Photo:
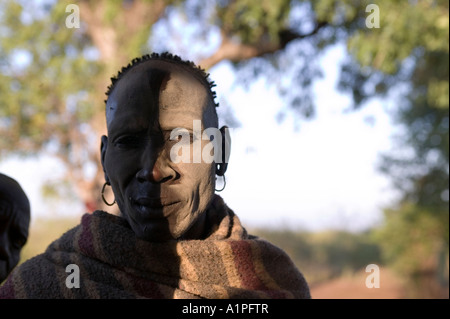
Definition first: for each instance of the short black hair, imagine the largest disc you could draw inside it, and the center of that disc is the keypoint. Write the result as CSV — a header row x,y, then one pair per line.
x,y
190,66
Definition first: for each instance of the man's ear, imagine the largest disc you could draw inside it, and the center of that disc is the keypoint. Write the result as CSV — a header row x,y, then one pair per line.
x,y
103,148
221,168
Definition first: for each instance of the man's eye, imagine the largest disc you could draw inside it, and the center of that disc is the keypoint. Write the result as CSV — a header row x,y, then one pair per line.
x,y
187,138
129,141
183,137
18,241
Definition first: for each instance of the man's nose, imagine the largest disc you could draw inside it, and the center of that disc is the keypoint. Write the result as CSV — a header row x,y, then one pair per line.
x,y
155,167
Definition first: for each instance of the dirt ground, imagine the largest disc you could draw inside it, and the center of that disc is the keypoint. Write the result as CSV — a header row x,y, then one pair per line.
x,y
354,287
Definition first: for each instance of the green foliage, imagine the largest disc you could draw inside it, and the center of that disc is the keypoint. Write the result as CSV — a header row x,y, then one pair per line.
x,y
325,255
254,21
414,241
35,92
410,50
413,237
409,32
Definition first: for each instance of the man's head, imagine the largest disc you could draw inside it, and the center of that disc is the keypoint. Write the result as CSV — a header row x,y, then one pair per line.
x,y
14,223
152,97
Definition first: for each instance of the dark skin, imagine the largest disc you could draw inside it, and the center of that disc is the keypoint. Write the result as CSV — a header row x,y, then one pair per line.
x,y
161,200
14,224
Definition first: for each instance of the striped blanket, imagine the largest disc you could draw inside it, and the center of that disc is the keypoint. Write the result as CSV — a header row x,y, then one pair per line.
x,y
112,263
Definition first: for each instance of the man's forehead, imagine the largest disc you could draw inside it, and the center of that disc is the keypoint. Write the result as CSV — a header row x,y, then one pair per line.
x,y
150,68
151,77
157,86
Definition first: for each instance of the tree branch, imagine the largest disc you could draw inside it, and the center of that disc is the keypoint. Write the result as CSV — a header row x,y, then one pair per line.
x,y
234,51
106,36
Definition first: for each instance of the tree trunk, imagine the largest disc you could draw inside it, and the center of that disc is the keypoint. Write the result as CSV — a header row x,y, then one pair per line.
x,y
108,38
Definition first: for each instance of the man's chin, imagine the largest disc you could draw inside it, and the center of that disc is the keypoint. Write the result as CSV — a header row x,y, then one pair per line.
x,y
156,231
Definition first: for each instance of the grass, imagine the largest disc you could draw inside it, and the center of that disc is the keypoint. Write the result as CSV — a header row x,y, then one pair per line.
x,y
43,232
324,255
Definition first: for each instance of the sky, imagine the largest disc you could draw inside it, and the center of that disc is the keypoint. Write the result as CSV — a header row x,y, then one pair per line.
x,y
321,176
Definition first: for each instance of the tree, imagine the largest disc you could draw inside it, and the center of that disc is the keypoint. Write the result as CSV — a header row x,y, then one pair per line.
x,y
52,102
53,78
415,236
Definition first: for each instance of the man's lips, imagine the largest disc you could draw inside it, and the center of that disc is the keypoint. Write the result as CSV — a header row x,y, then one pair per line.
x,y
151,209
152,203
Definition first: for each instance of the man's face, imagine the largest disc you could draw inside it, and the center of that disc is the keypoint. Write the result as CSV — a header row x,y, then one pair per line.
x,y
160,199
14,223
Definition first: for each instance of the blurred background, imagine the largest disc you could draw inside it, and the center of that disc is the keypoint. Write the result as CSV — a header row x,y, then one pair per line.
x,y
339,117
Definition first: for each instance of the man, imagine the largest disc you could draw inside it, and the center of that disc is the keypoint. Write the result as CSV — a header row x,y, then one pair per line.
x,y
175,238
161,200
14,223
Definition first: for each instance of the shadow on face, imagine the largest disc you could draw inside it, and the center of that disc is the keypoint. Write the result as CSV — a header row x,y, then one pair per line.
x,y
14,224
161,200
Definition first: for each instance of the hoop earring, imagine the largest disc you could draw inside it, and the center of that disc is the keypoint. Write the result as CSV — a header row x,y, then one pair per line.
x,y
103,196
224,184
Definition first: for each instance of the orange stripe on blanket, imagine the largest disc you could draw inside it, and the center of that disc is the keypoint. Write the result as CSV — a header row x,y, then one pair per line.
x,y
233,278
243,259
260,268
